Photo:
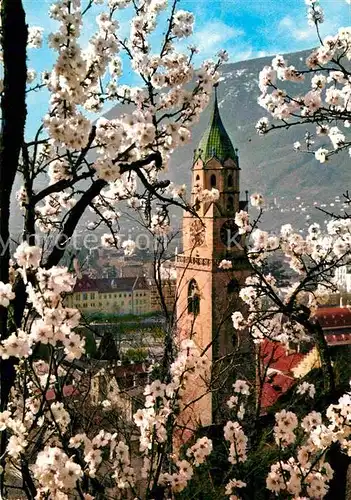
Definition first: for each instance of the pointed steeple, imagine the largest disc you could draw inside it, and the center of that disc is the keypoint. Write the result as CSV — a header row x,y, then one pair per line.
x,y
215,142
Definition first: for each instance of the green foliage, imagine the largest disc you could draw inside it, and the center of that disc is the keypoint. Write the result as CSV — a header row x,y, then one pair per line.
x,y
209,479
90,343
136,355
341,356
102,317
158,333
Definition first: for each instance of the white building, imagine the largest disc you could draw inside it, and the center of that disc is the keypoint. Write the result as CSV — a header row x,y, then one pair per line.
x,y
343,278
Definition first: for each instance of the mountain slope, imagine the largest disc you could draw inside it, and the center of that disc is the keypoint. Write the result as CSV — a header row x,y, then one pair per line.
x,y
269,164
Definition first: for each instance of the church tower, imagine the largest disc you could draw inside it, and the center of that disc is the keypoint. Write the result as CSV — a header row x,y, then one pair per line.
x,y
208,294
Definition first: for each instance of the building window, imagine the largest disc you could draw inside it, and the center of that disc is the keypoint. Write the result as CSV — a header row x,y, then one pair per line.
x,y
193,298
92,295
213,181
230,204
230,181
197,178
85,296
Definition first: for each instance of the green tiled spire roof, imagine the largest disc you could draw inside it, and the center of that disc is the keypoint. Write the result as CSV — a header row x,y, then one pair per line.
x,y
215,141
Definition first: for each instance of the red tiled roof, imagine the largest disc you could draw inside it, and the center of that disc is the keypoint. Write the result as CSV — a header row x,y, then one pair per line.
x,y
123,371
338,338
85,284
336,324
279,376
277,385
333,317
276,356
108,285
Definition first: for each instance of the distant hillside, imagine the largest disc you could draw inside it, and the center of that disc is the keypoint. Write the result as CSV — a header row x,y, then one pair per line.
x,y
268,164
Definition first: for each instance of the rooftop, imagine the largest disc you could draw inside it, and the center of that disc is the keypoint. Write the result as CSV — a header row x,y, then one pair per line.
x,y
279,377
215,141
107,285
333,317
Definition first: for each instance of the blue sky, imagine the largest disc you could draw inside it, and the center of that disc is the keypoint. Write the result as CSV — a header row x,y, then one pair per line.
x,y
254,28
246,28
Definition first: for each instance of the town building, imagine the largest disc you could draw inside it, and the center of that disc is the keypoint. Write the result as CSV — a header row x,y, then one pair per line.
x,y
164,289
111,295
208,293
283,368
164,298
343,278
131,269
122,386
113,263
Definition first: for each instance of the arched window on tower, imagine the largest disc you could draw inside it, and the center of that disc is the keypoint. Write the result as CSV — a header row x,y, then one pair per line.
x,y
197,178
230,181
213,181
230,204
193,298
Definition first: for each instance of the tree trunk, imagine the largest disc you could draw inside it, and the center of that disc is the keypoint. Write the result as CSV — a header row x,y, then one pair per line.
x,y
13,111
13,116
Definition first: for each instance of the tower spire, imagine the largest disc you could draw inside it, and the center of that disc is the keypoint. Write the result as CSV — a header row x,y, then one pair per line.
x,y
215,142
215,108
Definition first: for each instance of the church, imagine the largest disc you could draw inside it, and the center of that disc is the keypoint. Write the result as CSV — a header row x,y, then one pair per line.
x,y
207,293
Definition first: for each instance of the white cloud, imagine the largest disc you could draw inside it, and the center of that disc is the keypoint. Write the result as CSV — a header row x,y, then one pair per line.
x,y
298,29
288,26
214,35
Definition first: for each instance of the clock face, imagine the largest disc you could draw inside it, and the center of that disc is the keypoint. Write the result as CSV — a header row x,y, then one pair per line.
x,y
197,233
230,234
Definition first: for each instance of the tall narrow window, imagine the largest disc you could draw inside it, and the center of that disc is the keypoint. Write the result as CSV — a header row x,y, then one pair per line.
x,y
230,204
213,180
197,178
193,298
230,181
